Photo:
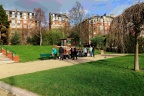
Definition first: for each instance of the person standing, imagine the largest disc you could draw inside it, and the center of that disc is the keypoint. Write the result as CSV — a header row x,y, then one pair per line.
x,y
61,52
72,52
75,53
85,51
54,52
91,53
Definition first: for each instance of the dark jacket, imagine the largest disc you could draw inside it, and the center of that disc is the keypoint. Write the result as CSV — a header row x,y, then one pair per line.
x,y
61,50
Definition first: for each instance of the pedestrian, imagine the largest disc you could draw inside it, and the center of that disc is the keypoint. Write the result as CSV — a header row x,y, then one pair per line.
x,y
61,52
54,51
93,51
75,53
85,51
72,52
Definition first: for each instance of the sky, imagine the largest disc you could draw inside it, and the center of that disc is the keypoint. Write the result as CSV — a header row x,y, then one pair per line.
x,y
95,7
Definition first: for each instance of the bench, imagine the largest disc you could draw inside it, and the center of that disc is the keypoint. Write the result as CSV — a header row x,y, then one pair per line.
x,y
45,56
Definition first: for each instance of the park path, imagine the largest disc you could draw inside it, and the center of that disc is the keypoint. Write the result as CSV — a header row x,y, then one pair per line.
x,y
11,69
5,60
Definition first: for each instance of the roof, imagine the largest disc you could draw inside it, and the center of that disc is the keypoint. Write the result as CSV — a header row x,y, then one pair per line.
x,y
19,11
60,14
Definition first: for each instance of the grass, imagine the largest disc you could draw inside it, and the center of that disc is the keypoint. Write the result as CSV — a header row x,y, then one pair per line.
x,y
29,53
109,77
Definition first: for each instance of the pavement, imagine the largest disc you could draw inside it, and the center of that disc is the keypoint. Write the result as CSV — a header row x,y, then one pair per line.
x,y
4,60
8,69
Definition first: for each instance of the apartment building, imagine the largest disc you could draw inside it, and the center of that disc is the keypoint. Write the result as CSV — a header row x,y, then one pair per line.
x,y
22,22
96,25
58,20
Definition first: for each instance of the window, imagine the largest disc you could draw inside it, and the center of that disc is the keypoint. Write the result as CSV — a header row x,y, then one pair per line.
x,y
24,13
30,14
18,16
13,16
13,12
53,19
59,18
30,17
13,21
13,25
91,21
18,22
25,21
24,17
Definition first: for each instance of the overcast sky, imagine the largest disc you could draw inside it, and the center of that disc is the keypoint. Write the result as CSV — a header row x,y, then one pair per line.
x,y
99,7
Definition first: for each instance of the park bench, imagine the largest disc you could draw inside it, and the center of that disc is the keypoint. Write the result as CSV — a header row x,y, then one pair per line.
x,y
45,56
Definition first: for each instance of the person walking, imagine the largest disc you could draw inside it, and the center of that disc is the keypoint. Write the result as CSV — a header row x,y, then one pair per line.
x,y
61,52
54,51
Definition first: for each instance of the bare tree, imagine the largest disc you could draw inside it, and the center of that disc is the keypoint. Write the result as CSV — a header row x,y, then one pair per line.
x,y
131,21
40,19
77,15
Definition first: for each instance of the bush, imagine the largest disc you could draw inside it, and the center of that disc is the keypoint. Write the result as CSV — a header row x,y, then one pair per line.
x,y
99,41
15,40
52,37
35,40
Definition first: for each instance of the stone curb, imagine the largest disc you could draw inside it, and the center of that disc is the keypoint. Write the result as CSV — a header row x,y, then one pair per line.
x,y
9,90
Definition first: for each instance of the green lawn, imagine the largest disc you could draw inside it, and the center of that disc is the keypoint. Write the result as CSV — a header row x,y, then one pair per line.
x,y
29,53
109,77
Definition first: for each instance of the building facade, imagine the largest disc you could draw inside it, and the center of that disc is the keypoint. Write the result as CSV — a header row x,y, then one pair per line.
x,y
58,20
22,22
96,25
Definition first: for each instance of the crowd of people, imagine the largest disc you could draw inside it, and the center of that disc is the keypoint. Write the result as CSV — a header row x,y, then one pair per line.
x,y
73,52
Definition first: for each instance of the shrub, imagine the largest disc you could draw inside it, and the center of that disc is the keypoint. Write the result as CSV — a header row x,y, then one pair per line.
x,y
52,37
15,40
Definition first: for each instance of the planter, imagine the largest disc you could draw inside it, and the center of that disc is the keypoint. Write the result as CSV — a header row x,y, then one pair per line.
x,y
3,52
9,55
16,58
102,51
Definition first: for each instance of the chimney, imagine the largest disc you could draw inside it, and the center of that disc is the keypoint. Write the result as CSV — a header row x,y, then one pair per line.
x,y
112,15
15,10
65,14
92,15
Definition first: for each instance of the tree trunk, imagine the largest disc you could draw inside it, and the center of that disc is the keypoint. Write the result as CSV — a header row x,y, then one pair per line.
x,y
40,36
0,38
136,59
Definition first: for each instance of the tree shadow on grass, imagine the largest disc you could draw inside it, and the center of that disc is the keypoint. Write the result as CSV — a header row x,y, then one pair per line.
x,y
78,61
109,64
